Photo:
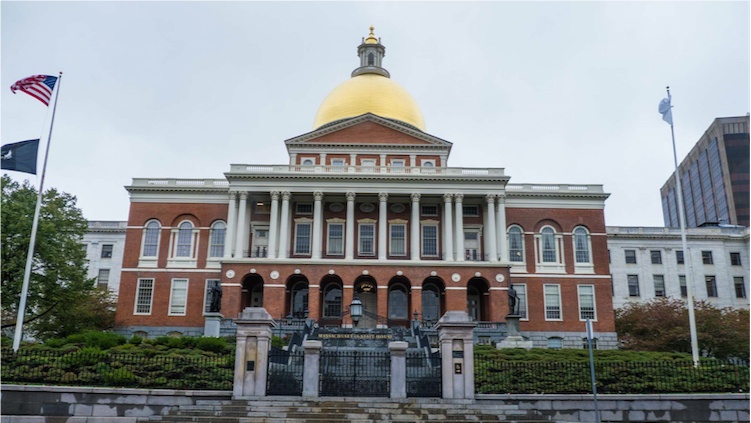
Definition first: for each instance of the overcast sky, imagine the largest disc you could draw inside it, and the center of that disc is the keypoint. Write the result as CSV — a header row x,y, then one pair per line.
x,y
554,92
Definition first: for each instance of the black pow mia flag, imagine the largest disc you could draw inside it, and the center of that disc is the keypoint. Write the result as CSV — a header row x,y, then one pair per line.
x,y
20,156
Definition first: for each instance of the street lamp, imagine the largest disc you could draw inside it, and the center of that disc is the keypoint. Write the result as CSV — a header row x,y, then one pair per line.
x,y
355,309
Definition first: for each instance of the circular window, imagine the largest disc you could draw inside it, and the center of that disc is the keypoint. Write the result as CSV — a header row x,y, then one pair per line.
x,y
398,208
367,207
336,207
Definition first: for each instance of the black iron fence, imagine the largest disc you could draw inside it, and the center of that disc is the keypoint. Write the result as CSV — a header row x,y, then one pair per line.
x,y
91,367
423,375
355,373
493,376
285,373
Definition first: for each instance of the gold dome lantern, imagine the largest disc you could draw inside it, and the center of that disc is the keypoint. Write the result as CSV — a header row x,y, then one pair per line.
x,y
370,90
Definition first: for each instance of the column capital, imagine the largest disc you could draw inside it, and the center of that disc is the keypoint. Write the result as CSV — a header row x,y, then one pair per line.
x,y
243,195
501,198
351,196
458,197
233,195
447,198
286,195
274,195
490,199
415,197
383,196
318,196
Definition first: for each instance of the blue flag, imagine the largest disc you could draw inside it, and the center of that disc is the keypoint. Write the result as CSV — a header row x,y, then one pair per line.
x,y
20,156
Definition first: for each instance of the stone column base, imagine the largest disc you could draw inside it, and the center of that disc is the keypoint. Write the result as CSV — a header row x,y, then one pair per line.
x,y
514,342
213,322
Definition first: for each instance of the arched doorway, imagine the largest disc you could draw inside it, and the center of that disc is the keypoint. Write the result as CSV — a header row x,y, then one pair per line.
x,y
433,300
399,301
477,298
297,297
331,301
366,290
252,291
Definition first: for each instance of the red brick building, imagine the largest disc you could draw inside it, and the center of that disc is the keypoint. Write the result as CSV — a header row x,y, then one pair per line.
x,y
367,205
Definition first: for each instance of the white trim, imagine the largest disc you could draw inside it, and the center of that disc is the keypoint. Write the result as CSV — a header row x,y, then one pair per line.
x,y
553,275
170,270
594,302
545,302
456,288
273,285
151,298
171,297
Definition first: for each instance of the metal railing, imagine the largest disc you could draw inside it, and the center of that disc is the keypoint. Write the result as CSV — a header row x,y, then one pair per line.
x,y
495,376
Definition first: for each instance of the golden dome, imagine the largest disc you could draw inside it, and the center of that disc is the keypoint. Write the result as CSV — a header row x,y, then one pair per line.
x,y
369,93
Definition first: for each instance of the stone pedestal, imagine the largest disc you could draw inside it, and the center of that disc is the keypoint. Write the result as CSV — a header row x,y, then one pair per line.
x,y
312,364
514,338
212,325
254,328
457,355
398,350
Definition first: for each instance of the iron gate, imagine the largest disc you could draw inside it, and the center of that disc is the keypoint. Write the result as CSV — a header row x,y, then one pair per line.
x,y
355,373
285,372
423,375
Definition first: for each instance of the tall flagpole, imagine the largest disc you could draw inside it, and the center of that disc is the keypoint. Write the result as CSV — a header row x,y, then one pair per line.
x,y
34,225
686,253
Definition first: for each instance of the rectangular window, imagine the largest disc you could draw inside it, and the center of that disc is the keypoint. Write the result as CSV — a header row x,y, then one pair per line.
x,y
735,259
430,240
178,298
659,281
337,165
740,287
471,210
210,283
106,250
471,236
586,302
706,257
682,284
144,294
552,302
398,240
656,256
304,208
521,293
216,246
711,286
630,256
335,243
585,343
367,239
429,210
633,286
302,238
679,257
368,165
102,280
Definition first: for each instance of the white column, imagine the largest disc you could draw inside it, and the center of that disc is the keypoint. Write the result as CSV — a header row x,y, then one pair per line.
x,y
274,225
317,224
284,226
349,246
459,235
490,232
292,159
414,225
229,238
383,163
448,229
323,159
501,227
241,224
382,224
412,160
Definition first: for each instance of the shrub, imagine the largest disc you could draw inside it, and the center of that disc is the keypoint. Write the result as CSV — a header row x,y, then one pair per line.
x,y
135,340
216,345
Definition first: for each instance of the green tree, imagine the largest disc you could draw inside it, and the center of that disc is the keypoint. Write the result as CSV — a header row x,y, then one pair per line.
x,y
61,299
662,325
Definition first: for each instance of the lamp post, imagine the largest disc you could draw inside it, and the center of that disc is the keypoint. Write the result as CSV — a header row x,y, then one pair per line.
x,y
355,310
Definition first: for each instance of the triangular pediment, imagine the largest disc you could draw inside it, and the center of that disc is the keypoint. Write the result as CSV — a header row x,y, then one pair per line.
x,y
368,130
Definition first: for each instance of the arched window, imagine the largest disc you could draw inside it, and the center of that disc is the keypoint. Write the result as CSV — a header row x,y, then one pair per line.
x,y
218,233
371,59
151,239
332,300
398,302
184,239
299,300
431,302
581,245
555,343
515,244
474,303
549,253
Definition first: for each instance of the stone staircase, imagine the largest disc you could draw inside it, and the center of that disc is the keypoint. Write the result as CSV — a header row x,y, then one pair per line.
x,y
340,410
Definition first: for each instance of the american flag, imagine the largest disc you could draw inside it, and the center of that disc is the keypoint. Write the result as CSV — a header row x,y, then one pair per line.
x,y
37,86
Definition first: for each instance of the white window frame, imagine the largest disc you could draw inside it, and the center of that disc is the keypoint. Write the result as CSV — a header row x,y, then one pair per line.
x,y
584,266
427,166
329,250
183,261
304,159
215,246
206,297
521,293
139,290
368,165
298,225
103,277
173,303
151,260
360,239
423,239
581,294
661,278
521,262
557,266
338,165
402,242
628,286
398,165
557,288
